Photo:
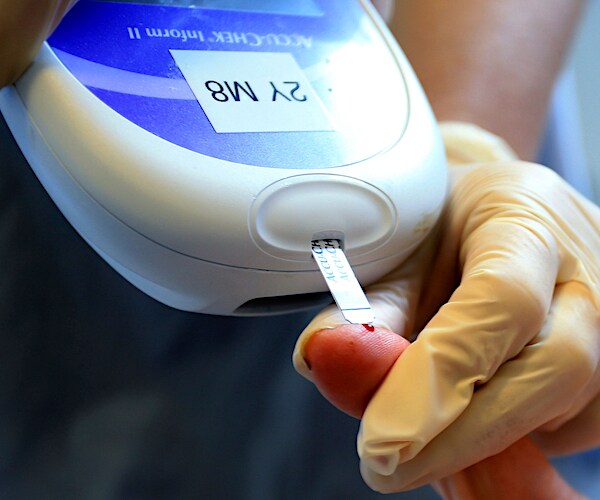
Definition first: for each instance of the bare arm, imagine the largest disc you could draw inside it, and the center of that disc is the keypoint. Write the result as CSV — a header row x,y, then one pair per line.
x,y
492,63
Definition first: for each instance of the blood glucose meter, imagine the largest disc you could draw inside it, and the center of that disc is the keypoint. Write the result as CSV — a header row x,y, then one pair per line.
x,y
200,146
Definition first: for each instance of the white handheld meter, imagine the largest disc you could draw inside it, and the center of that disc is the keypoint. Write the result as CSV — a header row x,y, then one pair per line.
x,y
199,146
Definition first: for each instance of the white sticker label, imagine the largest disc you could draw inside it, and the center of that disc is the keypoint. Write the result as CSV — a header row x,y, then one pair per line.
x,y
252,91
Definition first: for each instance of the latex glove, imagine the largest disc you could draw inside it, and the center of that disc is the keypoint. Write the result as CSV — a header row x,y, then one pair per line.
x,y
349,363
24,25
515,349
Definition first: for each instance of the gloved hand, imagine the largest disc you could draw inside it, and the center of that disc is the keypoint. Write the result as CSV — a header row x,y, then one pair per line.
x,y
24,25
514,348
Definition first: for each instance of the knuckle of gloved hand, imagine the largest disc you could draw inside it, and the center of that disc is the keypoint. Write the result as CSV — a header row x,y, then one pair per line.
x,y
521,182
517,203
407,477
572,362
381,484
532,175
377,483
579,431
514,301
577,359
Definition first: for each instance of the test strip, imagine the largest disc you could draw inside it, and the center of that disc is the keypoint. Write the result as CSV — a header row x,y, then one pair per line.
x,y
342,282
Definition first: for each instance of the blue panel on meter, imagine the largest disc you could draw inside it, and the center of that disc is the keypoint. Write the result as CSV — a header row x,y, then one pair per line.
x,y
296,7
268,83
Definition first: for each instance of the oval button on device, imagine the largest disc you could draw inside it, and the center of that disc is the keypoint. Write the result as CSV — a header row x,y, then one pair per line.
x,y
288,214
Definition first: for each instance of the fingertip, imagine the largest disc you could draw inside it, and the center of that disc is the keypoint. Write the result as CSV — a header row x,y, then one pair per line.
x,y
300,362
349,362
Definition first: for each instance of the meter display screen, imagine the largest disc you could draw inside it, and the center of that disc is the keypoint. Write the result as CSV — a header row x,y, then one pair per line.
x,y
296,7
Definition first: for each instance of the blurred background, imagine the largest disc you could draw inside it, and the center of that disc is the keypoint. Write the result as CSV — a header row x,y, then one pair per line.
x,y
572,146
586,60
